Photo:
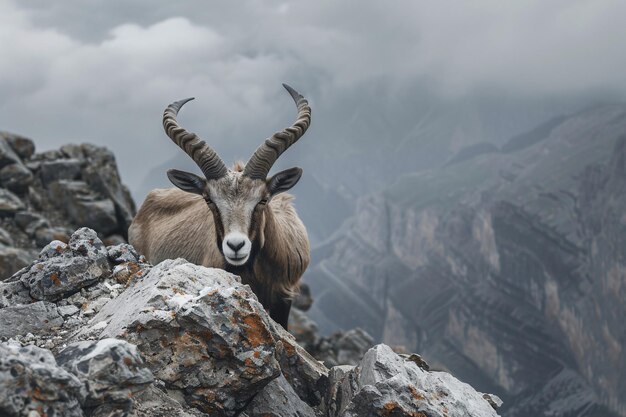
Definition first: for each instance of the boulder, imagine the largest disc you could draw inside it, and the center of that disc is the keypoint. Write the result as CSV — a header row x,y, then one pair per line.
x,y
36,318
83,206
63,270
9,203
59,169
278,399
102,176
32,384
29,222
5,238
112,373
201,331
22,146
307,376
43,235
13,293
7,154
13,259
384,383
16,177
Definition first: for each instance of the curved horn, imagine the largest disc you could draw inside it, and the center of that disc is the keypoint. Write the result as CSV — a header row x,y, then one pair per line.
x,y
202,154
264,157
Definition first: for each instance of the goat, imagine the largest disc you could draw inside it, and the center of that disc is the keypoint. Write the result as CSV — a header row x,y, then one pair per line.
x,y
236,220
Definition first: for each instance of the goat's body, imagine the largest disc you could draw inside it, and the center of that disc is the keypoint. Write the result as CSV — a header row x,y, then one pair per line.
x,y
175,224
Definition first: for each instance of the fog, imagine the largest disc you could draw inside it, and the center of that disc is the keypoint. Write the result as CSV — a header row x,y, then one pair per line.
x,y
103,71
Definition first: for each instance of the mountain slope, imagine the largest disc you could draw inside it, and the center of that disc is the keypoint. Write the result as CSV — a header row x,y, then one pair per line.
x,y
507,268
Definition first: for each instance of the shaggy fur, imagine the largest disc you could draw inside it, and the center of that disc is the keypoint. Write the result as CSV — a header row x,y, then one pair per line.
x,y
175,224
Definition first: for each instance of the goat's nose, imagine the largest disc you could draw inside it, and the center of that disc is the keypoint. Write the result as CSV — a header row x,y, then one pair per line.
x,y
235,245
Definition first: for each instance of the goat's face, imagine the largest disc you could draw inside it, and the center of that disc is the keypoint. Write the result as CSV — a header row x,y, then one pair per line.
x,y
238,198
238,204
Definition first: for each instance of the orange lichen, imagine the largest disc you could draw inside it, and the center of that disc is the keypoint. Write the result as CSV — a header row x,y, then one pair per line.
x,y
415,393
255,329
55,279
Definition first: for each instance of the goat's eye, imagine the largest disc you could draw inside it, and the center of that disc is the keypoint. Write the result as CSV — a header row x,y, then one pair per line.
x,y
262,202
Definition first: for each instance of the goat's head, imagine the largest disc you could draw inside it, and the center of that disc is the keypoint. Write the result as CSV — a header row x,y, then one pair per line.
x,y
237,198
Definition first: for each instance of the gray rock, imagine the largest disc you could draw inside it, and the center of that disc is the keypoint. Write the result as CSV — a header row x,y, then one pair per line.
x,y
22,146
303,329
13,259
29,222
352,345
307,376
44,235
13,293
32,384
50,155
278,399
111,370
102,176
201,332
53,249
36,318
122,253
155,402
5,238
7,154
386,384
343,348
16,177
59,169
9,203
84,206
68,310
493,400
59,276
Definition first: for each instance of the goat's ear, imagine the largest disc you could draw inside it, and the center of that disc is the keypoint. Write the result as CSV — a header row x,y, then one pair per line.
x,y
284,180
187,181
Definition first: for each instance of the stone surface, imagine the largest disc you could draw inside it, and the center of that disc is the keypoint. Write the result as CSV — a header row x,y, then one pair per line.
x,y
307,376
78,201
38,318
13,259
386,384
16,177
200,331
59,169
111,370
9,203
81,263
278,399
29,222
102,175
7,154
14,293
122,253
32,384
22,146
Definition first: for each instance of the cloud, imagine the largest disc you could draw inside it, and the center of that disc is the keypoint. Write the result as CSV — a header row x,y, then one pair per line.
x,y
85,71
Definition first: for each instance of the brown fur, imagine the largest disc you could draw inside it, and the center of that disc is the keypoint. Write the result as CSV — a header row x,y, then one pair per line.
x,y
175,224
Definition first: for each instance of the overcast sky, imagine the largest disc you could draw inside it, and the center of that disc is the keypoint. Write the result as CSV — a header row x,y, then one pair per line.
x,y
103,71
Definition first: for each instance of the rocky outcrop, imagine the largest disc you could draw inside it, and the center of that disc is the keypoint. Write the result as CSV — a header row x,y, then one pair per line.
x,y
44,196
506,269
117,336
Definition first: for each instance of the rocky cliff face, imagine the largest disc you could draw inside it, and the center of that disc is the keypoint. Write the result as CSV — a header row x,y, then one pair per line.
x,y
90,330
45,196
506,267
